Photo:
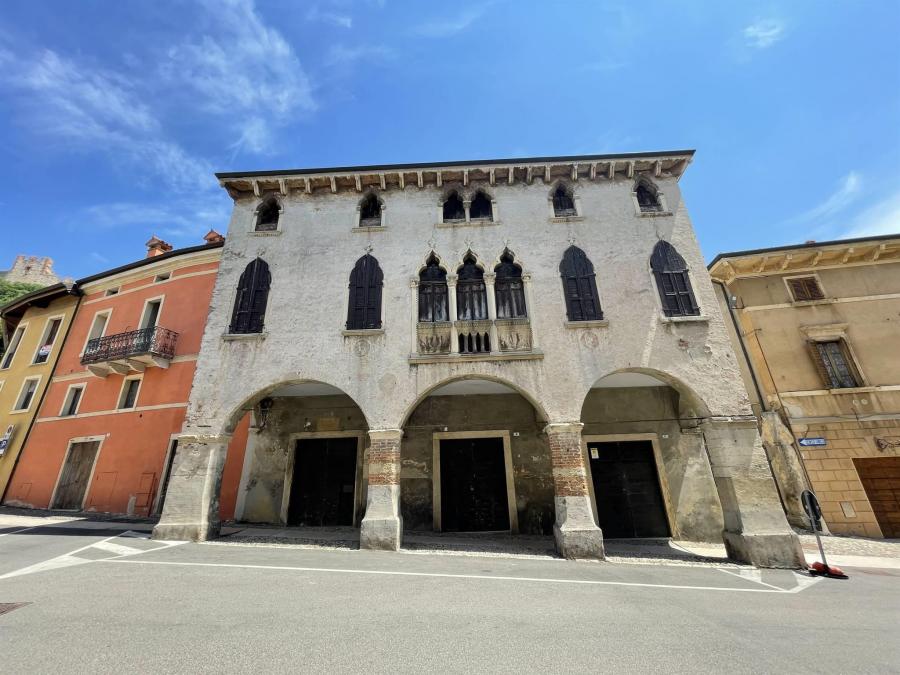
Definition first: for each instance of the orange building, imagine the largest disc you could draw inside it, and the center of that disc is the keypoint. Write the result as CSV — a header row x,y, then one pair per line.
x,y
106,433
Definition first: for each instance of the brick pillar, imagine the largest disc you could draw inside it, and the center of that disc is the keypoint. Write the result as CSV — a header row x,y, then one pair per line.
x,y
191,508
577,536
756,530
382,526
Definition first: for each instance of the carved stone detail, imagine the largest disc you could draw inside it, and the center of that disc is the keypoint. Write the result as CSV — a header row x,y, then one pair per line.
x,y
433,337
514,335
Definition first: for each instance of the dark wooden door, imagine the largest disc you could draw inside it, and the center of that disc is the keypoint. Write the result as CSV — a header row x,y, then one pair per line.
x,y
881,480
73,483
626,488
473,485
322,490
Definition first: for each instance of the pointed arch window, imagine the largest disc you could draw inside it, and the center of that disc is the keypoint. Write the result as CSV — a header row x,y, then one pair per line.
x,y
454,209
471,296
580,286
433,304
647,197
267,215
563,202
252,295
481,207
370,212
509,289
366,281
673,281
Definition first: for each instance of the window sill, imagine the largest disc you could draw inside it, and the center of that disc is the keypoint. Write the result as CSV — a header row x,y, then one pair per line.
x,y
566,219
370,228
468,358
684,319
244,337
653,214
471,223
596,323
812,303
265,233
18,412
361,332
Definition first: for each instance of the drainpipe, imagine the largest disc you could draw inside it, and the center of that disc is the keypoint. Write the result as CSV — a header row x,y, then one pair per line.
x,y
76,292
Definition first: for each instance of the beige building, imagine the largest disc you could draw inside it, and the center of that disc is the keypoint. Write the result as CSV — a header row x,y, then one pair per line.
x,y
818,331
527,346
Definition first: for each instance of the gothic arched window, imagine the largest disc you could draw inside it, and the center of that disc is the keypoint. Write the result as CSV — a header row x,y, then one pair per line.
x,y
673,281
366,280
453,208
252,295
481,207
267,215
370,212
433,305
647,197
563,203
579,286
508,288
471,297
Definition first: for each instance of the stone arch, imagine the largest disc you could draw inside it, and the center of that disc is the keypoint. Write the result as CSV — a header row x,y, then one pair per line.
x,y
562,199
271,209
690,403
527,395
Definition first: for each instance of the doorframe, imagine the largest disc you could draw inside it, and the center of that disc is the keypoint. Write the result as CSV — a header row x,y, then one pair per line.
x,y
504,434
660,472
87,489
164,474
289,467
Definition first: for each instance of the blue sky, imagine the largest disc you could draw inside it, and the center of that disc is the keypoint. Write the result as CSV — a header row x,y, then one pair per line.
x,y
116,114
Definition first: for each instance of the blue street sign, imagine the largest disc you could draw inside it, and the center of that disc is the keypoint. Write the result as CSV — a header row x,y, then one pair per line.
x,y
813,441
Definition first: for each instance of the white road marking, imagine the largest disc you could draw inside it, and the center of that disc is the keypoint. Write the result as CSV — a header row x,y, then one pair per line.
x,y
753,575
23,529
587,582
71,558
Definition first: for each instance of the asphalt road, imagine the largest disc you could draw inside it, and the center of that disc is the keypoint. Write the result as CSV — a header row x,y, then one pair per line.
x,y
101,601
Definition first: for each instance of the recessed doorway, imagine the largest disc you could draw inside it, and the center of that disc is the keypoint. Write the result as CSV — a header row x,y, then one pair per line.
x,y
75,477
473,484
627,490
323,488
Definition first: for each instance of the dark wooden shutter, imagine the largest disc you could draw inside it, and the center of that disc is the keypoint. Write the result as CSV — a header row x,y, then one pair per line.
x,y
805,288
251,298
579,286
673,281
366,280
820,365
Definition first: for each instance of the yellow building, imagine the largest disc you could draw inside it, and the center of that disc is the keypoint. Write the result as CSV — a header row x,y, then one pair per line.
x,y
35,326
818,329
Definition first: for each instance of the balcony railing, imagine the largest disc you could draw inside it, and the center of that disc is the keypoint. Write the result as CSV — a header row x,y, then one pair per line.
x,y
147,346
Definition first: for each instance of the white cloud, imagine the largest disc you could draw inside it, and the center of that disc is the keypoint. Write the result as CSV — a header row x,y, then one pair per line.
x,y
340,20
881,218
448,26
846,193
183,220
764,33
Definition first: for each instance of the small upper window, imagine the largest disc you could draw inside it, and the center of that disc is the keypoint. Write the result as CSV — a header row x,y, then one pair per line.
x,y
835,366
370,212
481,207
267,215
563,203
454,210
805,288
165,276
73,398
13,347
647,197
112,291
129,395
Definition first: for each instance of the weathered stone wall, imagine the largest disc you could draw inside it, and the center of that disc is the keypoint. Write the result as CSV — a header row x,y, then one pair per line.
x,y
692,492
29,269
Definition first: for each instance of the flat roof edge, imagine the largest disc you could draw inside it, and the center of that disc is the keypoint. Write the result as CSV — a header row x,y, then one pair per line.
x,y
791,247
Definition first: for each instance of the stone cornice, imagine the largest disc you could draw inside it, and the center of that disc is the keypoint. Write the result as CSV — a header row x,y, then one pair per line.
x,y
489,172
806,258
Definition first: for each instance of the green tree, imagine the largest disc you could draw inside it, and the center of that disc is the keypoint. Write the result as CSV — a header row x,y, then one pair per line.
x,y
10,290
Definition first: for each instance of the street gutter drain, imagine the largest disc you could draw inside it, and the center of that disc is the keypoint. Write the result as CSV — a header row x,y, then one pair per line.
x,y
7,607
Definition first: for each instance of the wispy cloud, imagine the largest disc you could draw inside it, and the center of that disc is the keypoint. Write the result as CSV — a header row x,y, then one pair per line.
x,y
451,25
881,218
181,219
340,20
764,33
342,55
848,189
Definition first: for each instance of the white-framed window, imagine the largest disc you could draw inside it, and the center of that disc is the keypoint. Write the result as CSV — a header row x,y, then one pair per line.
x,y
150,315
45,346
112,291
805,288
165,276
98,327
72,400
13,347
26,394
131,387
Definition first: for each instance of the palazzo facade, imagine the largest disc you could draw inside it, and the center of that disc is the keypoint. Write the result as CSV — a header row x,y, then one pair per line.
x,y
527,345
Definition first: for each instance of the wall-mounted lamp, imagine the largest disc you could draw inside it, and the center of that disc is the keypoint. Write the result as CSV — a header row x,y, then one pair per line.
x,y
264,407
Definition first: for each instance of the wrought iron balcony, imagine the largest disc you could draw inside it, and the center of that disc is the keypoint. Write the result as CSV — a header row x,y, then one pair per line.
x,y
130,352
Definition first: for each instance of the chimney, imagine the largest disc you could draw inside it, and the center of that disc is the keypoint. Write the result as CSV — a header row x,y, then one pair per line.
x,y
213,237
156,246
